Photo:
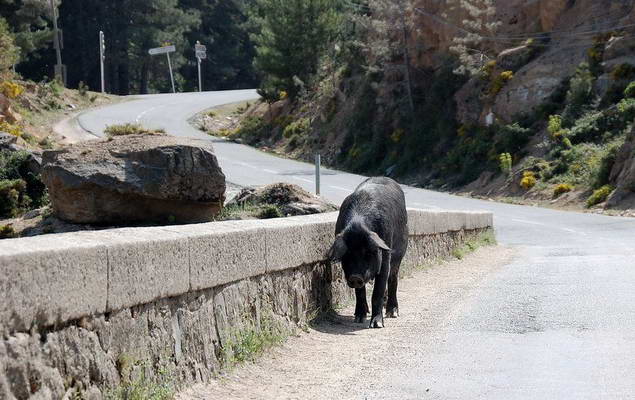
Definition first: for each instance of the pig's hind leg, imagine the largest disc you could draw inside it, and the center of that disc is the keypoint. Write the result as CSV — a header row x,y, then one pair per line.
x,y
392,305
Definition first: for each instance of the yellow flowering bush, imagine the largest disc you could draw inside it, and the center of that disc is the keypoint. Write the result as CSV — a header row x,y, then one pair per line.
x,y
528,181
11,89
562,188
15,130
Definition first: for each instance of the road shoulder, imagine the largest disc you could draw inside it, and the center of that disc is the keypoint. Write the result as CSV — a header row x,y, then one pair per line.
x,y
337,358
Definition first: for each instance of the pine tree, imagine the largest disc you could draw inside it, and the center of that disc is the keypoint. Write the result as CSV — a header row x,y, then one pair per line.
x,y
9,52
29,20
230,52
471,45
292,36
385,30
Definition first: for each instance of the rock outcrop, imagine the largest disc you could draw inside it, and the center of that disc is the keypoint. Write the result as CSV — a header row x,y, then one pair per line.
x,y
623,176
135,179
291,199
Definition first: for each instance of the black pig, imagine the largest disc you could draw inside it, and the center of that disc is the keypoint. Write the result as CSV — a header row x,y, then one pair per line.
x,y
371,240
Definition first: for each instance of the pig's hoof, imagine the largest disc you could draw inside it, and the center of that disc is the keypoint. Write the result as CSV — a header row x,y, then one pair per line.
x,y
394,313
360,319
376,322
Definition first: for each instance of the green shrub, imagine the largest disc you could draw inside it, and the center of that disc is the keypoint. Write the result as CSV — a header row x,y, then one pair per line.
x,y
562,188
253,128
13,197
607,162
629,92
7,232
9,52
131,129
623,71
299,127
554,125
506,163
269,211
599,196
15,166
580,93
512,138
82,88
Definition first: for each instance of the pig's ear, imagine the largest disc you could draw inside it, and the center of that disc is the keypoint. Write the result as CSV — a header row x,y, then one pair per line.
x,y
338,249
378,241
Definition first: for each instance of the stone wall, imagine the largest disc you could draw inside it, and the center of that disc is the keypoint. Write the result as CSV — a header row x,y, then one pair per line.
x,y
84,312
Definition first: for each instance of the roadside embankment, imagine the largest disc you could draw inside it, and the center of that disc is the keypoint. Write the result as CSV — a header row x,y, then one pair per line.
x,y
87,312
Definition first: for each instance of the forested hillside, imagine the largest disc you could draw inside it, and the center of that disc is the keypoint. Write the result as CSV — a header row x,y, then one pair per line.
x,y
497,98
131,27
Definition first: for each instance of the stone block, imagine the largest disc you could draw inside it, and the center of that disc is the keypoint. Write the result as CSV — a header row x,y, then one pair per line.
x,y
50,279
145,264
293,242
225,252
457,220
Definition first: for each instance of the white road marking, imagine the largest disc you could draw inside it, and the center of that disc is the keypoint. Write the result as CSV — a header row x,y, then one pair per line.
x,y
528,222
302,179
270,171
138,119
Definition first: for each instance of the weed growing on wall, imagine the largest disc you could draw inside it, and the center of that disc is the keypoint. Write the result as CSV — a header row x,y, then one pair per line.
x,y
487,238
249,341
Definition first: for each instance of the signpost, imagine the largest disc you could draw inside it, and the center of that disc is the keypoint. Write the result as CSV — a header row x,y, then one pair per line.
x,y
165,50
59,67
201,54
102,57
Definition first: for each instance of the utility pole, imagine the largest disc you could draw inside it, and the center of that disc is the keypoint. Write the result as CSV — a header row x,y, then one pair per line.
x,y
102,57
406,54
59,67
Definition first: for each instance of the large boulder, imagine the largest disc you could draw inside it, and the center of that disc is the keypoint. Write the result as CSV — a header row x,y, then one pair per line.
x,y
135,179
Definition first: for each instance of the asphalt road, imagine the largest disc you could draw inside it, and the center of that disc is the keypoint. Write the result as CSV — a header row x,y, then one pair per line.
x,y
557,322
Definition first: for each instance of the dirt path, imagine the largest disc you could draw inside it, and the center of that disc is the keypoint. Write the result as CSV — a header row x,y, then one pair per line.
x,y
339,359
68,131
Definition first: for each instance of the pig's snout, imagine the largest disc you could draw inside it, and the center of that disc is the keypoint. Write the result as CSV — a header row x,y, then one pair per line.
x,y
355,281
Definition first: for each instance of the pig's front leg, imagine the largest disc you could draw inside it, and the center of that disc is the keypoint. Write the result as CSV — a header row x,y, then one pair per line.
x,y
361,305
379,291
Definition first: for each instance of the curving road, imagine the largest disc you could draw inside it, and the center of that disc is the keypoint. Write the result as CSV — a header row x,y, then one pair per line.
x,y
556,322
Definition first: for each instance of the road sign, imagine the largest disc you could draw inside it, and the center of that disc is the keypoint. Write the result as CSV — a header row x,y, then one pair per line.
x,y
162,50
201,51
201,54
165,50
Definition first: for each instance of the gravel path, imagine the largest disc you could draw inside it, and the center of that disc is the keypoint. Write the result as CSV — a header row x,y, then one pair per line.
x,y
339,359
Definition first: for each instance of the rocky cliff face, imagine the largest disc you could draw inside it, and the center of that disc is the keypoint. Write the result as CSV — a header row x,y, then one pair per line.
x,y
623,176
572,27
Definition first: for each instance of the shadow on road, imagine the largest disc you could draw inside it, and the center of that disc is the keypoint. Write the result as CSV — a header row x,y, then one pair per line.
x,y
336,324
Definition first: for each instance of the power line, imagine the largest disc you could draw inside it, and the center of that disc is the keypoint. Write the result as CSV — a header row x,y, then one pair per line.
x,y
538,36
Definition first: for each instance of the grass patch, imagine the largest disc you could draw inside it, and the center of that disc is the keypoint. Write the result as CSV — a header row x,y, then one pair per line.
x,y
139,386
131,129
487,238
250,341
249,211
